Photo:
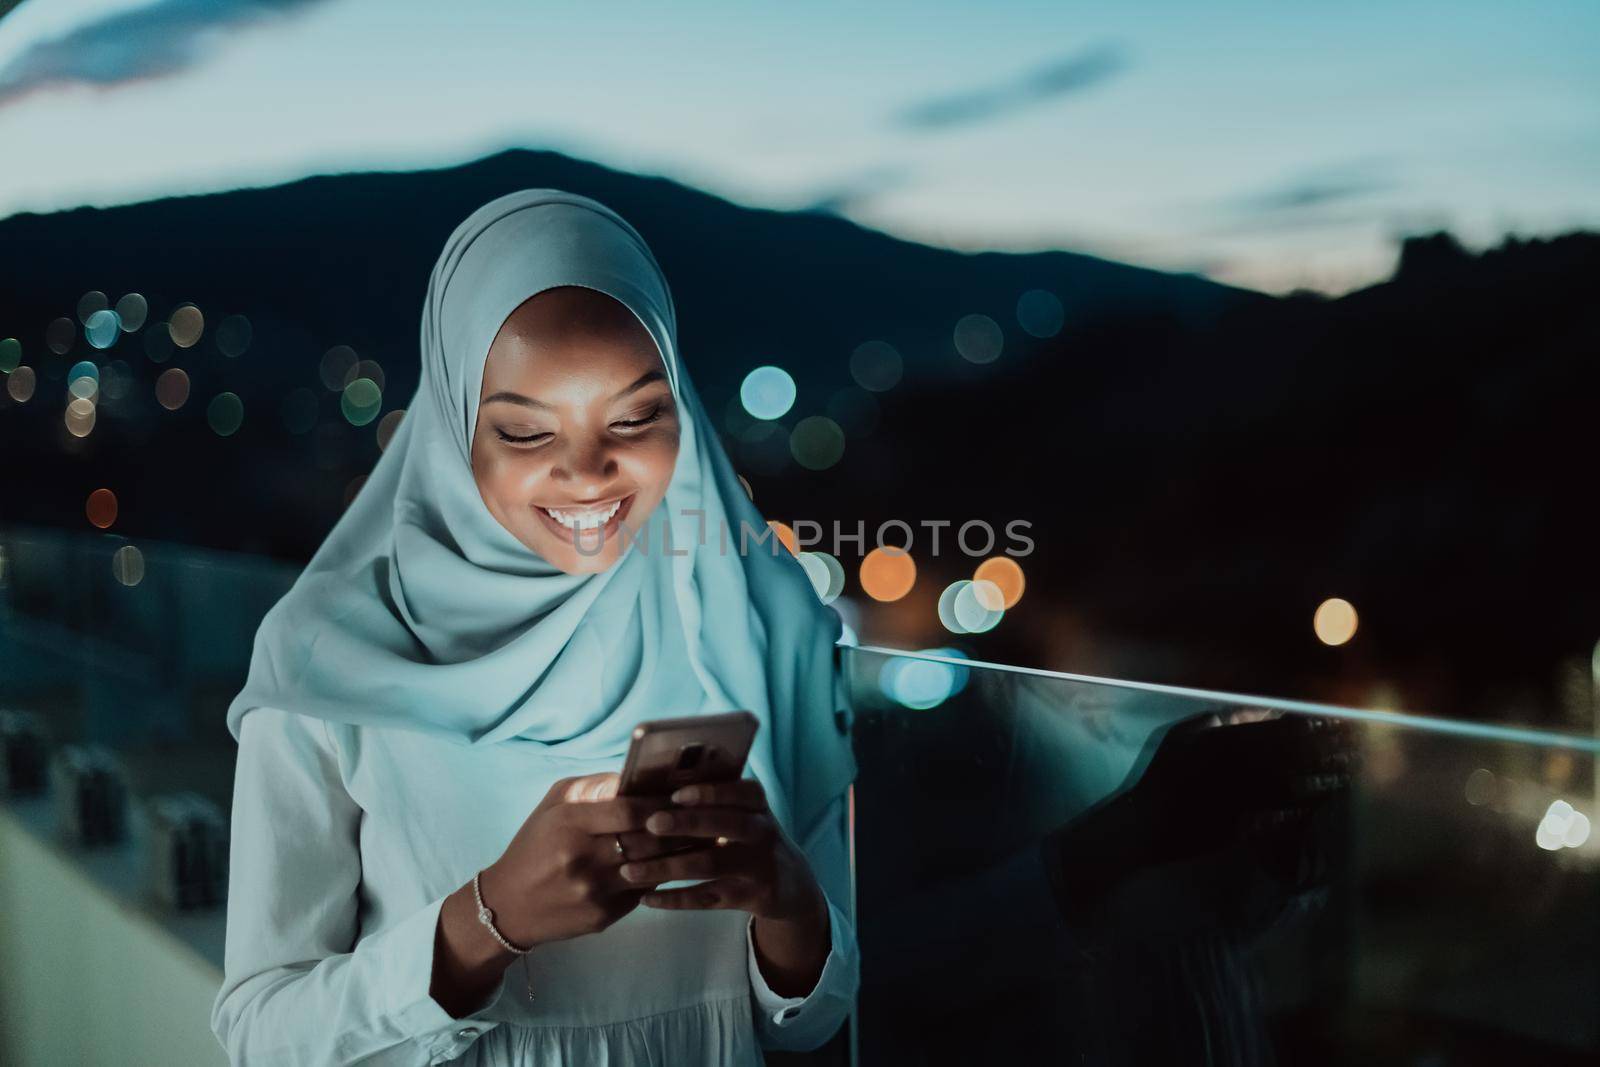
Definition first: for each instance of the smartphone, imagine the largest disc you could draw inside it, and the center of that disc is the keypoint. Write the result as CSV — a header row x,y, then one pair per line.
x,y
668,753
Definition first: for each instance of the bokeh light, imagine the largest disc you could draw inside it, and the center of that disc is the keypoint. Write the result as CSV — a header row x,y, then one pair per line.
x,y
20,384
185,325
127,565
299,410
816,442
83,380
361,401
876,366
785,534
233,336
919,683
60,334
225,413
1335,621
336,363
158,342
79,417
1006,574
103,328
887,573
101,508
826,574
1039,313
116,379
10,354
89,303
1563,826
388,426
767,392
172,388
978,338
132,309
365,368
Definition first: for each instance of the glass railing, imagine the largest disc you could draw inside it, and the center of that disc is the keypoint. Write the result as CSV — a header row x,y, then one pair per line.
x,y
1046,866
1088,871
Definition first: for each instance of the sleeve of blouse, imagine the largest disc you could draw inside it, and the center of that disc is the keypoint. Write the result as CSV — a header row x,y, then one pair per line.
x,y
804,1023
297,987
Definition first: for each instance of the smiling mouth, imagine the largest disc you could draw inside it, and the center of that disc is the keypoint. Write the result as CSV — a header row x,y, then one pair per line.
x,y
572,523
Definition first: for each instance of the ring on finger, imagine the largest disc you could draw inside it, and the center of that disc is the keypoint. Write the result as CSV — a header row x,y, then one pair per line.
x,y
621,852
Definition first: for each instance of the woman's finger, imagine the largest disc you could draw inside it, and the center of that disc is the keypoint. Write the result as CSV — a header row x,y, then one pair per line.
x,y
733,824
720,893
614,816
592,787
743,793
699,863
643,845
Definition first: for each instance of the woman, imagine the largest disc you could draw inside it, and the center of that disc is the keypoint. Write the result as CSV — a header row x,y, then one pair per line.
x,y
436,709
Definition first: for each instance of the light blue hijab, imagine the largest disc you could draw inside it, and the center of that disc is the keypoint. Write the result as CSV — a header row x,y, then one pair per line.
x,y
421,611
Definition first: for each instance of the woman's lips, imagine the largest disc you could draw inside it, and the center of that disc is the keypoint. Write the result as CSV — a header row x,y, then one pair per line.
x,y
605,532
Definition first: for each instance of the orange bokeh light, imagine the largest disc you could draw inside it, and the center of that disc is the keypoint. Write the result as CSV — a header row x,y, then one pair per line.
x,y
888,573
102,508
786,535
1004,572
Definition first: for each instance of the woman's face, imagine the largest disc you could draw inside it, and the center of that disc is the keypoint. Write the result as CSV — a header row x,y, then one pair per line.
x,y
577,430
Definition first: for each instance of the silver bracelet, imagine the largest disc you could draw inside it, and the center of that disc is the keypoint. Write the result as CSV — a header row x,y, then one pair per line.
x,y
486,917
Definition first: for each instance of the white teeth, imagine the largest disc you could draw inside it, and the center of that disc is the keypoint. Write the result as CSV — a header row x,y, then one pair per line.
x,y
584,520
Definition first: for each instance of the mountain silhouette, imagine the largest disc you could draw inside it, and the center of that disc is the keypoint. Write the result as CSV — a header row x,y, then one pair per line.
x,y
1201,465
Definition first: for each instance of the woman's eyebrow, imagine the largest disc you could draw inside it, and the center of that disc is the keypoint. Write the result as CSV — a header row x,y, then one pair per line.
x,y
529,402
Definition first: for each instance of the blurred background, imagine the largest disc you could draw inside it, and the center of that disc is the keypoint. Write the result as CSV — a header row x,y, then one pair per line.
x,y
1249,313
1262,336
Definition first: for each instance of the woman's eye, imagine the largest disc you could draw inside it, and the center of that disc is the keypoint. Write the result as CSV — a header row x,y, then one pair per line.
x,y
518,440
633,424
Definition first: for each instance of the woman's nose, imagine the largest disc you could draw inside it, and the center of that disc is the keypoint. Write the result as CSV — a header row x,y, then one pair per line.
x,y
586,468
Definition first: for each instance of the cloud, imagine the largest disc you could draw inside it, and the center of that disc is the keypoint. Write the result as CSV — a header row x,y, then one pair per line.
x,y
1061,77
158,40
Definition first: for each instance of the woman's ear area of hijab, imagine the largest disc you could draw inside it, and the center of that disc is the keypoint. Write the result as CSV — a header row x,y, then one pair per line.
x,y
576,424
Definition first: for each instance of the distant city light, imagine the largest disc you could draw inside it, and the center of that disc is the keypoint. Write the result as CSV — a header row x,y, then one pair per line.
x,y
103,328
1480,787
172,388
361,401
132,309
10,355
89,303
816,442
186,324
388,426
1563,826
1039,313
979,339
968,607
79,417
225,413
20,384
127,565
233,336
785,535
1335,621
365,368
336,363
101,508
826,574
1006,574
768,392
83,380
919,683
60,335
887,573
876,366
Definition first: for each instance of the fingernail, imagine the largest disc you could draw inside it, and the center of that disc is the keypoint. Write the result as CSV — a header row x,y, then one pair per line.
x,y
659,823
687,795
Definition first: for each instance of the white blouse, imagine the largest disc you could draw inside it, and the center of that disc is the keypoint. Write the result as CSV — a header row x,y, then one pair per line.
x,y
345,842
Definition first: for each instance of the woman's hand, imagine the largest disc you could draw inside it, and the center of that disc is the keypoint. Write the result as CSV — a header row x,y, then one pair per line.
x,y
558,878
750,865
